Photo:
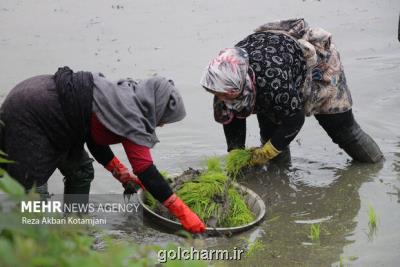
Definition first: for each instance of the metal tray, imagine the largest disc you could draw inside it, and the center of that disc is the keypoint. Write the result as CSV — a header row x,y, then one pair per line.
x,y
254,201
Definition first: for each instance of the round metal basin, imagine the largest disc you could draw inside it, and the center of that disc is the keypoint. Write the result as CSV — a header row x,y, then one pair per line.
x,y
254,202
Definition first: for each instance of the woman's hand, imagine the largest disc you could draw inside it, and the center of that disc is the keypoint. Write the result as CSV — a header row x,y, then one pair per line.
x,y
261,155
189,220
122,174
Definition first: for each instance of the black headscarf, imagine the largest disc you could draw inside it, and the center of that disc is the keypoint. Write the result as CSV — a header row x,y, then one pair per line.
x,y
75,94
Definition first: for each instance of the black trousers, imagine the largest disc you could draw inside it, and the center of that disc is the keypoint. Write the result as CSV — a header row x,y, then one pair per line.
x,y
343,129
78,174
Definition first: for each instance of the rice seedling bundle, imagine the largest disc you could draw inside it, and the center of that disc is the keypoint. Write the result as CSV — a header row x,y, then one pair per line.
x,y
212,196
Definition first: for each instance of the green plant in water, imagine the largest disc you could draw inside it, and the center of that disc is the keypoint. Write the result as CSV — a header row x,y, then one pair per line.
x,y
236,160
372,222
254,247
315,232
343,261
372,218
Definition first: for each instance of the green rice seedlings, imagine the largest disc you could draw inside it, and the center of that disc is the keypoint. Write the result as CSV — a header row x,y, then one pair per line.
x,y
214,165
254,247
236,160
372,218
218,178
239,213
212,197
344,261
164,174
315,232
372,222
149,200
199,195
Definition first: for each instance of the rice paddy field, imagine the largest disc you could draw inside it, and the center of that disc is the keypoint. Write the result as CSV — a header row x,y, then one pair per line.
x,y
322,208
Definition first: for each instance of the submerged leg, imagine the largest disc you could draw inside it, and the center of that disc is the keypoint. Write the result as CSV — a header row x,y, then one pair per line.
x,y
43,192
78,175
347,133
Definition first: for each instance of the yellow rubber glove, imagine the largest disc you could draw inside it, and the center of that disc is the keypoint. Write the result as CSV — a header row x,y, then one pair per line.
x,y
263,154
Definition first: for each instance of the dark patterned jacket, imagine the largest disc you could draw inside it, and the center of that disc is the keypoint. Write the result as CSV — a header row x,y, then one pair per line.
x,y
280,69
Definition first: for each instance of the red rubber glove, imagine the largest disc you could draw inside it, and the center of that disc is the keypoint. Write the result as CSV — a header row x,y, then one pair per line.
x,y
121,173
189,220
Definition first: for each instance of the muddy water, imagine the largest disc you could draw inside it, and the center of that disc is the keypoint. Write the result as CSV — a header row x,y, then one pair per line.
x,y
176,39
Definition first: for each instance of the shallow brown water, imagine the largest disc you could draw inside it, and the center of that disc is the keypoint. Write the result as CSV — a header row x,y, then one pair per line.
x,y
177,39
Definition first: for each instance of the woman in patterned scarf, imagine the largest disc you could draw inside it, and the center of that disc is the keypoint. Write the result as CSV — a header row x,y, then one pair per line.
x,y
283,72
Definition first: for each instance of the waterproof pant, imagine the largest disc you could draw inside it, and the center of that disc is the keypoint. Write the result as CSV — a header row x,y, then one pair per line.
x,y
78,174
347,133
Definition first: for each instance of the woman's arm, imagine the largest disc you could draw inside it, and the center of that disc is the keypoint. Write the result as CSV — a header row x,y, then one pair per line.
x,y
281,138
142,164
101,153
235,134
97,143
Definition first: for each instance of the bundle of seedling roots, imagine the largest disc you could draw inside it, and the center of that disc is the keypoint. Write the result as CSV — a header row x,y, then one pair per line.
x,y
212,193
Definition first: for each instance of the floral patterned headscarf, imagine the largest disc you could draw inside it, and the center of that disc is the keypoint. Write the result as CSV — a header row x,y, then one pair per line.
x,y
229,71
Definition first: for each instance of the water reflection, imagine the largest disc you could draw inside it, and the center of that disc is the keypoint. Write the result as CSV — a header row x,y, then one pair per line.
x,y
294,204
